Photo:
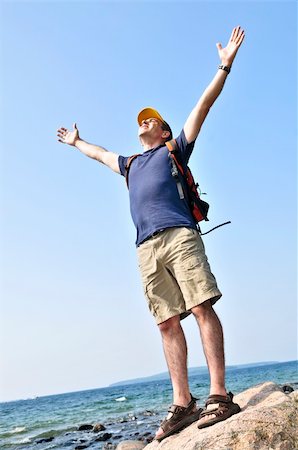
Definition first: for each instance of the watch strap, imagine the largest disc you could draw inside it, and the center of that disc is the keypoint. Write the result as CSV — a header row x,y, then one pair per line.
x,y
225,68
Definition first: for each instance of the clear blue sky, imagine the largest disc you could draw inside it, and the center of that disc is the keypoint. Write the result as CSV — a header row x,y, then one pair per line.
x,y
73,315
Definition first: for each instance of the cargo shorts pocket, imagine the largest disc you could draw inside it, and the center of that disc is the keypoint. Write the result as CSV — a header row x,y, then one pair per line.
x,y
148,269
191,266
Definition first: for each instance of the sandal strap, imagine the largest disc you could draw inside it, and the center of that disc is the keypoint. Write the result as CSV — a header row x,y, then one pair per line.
x,y
218,404
175,409
217,411
219,399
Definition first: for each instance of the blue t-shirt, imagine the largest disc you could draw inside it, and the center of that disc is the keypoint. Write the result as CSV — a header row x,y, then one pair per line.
x,y
155,203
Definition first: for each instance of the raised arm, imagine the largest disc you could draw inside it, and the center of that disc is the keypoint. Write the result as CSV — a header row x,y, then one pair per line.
x,y
93,151
227,55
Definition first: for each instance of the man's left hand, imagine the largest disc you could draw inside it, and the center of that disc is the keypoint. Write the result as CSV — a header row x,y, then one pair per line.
x,y
228,53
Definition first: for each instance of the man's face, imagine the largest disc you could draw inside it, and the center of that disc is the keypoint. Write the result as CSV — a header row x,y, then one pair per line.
x,y
151,127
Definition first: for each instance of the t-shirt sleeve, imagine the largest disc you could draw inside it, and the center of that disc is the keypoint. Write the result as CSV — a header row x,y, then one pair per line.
x,y
185,147
122,160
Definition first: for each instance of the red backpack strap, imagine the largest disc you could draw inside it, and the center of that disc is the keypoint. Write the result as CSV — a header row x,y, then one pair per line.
x,y
127,166
173,147
175,165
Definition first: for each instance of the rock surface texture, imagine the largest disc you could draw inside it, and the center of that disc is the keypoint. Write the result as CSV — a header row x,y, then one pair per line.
x,y
268,421
130,445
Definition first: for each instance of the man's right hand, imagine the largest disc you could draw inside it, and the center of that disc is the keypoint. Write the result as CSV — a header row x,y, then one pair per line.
x,y
68,137
96,152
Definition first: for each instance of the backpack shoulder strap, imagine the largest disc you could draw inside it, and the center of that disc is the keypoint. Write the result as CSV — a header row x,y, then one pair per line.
x,y
173,147
175,165
127,166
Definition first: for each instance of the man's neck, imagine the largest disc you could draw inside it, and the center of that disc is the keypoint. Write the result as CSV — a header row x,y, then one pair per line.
x,y
149,144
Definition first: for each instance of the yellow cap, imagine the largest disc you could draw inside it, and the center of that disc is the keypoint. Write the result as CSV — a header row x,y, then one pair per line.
x,y
147,113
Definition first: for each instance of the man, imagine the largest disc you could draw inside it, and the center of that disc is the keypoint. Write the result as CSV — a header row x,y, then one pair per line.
x,y
175,272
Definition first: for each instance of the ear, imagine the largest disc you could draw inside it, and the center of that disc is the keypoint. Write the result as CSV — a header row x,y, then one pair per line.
x,y
165,134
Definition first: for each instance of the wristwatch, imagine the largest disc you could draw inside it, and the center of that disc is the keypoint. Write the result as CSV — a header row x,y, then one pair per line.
x,y
226,68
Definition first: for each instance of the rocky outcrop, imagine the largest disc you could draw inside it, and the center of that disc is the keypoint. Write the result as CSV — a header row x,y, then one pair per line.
x,y
268,421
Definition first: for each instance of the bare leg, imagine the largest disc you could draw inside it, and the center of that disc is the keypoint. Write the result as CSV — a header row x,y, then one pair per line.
x,y
175,350
212,340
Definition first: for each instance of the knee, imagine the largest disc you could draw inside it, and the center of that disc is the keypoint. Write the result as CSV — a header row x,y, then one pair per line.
x,y
170,325
203,311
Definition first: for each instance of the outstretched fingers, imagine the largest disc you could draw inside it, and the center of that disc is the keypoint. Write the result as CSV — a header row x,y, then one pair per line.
x,y
237,35
61,133
239,39
234,32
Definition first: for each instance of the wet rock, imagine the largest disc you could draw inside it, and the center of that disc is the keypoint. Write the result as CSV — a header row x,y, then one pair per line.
x,y
146,437
130,445
103,437
147,440
85,427
149,413
43,440
132,417
287,388
98,427
109,446
70,443
81,447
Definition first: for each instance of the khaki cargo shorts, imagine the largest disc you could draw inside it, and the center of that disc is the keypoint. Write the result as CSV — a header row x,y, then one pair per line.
x,y
175,273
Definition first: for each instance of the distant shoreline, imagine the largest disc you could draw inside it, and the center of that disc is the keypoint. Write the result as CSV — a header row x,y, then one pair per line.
x,y
157,377
192,371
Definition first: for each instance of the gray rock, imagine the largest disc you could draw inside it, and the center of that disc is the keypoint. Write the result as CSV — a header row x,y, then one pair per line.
x,y
85,427
43,440
131,445
287,388
98,427
148,413
109,446
103,437
267,421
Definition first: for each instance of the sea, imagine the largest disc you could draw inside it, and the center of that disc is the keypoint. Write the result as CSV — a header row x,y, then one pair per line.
x,y
128,411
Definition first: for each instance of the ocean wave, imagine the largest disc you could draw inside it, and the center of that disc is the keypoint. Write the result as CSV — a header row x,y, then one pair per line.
x,y
17,430
23,441
55,432
120,399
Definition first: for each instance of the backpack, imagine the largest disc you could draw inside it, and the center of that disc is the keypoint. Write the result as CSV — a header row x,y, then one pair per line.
x,y
197,206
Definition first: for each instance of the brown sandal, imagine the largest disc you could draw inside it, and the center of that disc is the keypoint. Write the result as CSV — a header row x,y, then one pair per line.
x,y
221,406
181,417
